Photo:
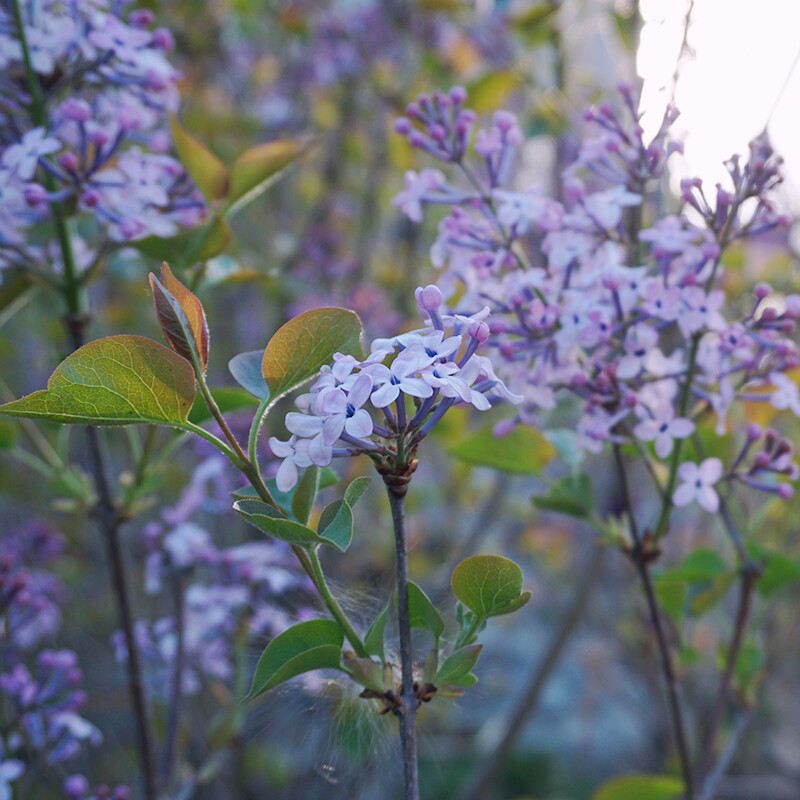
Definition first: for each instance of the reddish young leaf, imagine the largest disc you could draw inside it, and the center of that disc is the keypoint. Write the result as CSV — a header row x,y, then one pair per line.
x,y
181,317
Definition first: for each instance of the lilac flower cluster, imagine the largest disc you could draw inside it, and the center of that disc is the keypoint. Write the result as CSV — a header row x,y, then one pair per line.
x,y
230,593
76,787
41,709
30,597
436,366
92,136
629,320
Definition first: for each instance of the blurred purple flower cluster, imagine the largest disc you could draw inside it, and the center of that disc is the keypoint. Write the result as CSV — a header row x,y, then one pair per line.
x,y
92,134
230,594
630,321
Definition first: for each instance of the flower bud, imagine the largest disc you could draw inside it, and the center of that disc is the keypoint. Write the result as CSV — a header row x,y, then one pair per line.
x,y
429,298
479,330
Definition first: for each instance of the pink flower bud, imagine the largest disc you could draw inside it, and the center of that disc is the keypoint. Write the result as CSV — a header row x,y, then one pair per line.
x,y
429,298
762,290
754,431
479,330
458,94
68,161
785,491
402,125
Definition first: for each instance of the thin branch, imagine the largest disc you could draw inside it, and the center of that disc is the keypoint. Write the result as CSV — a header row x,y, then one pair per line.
x,y
711,783
408,712
176,694
750,575
640,558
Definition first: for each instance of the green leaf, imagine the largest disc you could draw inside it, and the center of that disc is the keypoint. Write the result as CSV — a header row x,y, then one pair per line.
x,y
489,585
640,787
268,519
706,599
118,380
524,450
373,641
699,565
316,644
305,493
671,596
205,169
181,316
422,613
458,665
779,571
336,525
749,664
255,170
491,90
572,496
8,434
246,370
327,477
352,494
304,344
228,398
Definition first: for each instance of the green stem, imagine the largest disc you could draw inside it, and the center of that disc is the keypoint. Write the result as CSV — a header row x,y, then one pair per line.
x,y
71,285
333,605
666,503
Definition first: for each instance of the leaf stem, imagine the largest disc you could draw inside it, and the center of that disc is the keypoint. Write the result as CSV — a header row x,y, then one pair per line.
x,y
333,606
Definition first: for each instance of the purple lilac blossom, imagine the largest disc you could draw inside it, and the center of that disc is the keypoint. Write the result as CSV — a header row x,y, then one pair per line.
x,y
630,321
437,366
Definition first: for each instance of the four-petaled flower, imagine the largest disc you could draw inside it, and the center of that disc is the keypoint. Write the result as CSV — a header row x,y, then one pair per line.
x,y
698,484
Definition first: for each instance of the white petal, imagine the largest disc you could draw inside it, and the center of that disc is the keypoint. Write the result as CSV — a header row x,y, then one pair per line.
x,y
684,494
287,475
360,424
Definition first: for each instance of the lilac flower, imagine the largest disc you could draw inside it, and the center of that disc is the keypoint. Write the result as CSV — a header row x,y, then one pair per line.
x,y
344,411
698,484
10,771
23,156
662,426
400,377
294,454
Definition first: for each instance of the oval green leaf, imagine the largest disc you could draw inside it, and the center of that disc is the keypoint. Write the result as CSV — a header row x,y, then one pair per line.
x,y
119,380
458,665
336,524
304,344
268,519
316,644
524,450
640,787
489,585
